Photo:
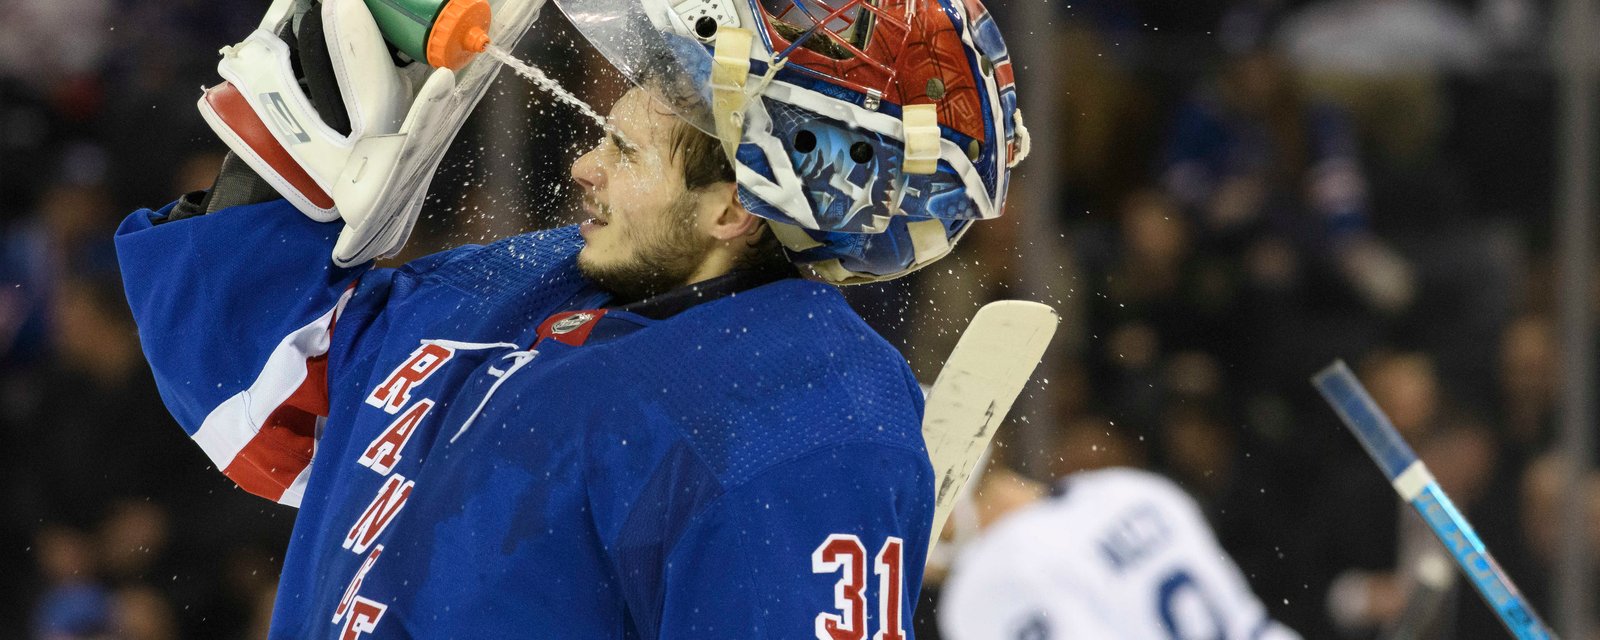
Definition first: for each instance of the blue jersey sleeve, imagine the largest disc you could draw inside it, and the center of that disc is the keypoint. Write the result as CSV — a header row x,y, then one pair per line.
x,y
832,542
236,312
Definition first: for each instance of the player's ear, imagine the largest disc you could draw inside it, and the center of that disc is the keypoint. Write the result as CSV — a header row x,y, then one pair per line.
x,y
725,217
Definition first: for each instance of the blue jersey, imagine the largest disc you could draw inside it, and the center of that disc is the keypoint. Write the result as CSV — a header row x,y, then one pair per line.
x,y
479,448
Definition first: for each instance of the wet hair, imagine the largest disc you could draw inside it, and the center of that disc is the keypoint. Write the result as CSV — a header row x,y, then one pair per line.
x,y
705,164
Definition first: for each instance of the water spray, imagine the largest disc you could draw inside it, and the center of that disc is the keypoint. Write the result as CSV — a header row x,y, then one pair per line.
x,y
450,33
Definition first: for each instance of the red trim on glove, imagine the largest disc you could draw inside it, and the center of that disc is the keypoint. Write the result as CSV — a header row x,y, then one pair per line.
x,y
236,112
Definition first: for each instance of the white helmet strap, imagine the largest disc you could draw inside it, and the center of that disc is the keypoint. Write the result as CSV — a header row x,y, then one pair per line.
x,y
730,69
921,125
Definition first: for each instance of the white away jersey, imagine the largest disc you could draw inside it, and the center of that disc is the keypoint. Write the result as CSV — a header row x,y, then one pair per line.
x,y
1120,554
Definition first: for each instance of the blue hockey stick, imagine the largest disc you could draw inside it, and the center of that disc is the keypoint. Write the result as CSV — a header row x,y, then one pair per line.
x,y
1416,485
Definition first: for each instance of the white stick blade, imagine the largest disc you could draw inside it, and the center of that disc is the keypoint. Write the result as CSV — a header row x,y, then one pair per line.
x,y
979,382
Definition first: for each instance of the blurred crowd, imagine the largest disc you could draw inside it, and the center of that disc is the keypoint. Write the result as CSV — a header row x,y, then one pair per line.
x,y
1242,191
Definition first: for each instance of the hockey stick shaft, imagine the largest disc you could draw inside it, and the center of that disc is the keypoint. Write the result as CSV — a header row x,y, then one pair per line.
x,y
1416,485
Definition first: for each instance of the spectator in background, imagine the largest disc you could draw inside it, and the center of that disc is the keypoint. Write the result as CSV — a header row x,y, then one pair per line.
x,y
1375,547
1157,295
1360,532
101,459
62,235
37,251
1543,513
1267,172
57,50
86,600
1200,451
104,459
75,605
1385,61
1528,379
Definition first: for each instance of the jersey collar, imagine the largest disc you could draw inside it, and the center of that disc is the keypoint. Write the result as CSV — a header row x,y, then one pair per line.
x,y
678,300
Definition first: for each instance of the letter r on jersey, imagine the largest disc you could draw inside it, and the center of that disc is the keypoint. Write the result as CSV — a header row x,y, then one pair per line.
x,y
395,392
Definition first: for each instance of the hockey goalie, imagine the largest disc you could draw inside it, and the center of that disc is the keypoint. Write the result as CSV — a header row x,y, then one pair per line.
x,y
664,422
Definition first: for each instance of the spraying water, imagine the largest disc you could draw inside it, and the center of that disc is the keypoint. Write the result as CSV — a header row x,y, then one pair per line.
x,y
538,77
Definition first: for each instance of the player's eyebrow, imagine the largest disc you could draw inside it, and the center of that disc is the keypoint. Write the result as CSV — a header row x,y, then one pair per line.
x,y
622,143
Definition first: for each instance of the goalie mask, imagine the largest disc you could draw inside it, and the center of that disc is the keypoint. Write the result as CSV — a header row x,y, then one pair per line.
x,y
869,133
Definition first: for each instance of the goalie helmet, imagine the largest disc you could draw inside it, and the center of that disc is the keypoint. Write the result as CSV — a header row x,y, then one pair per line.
x,y
869,133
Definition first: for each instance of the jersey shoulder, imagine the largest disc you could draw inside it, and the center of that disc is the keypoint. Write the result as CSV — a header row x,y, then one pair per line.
x,y
511,270
782,371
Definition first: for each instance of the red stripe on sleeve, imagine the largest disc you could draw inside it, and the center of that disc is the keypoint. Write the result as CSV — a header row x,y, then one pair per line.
x,y
270,462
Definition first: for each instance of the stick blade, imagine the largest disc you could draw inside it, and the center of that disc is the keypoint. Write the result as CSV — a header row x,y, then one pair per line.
x,y
980,381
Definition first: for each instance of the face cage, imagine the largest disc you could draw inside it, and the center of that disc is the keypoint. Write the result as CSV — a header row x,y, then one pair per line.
x,y
839,29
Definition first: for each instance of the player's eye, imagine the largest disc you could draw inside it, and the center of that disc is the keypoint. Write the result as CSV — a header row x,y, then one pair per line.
x,y
622,146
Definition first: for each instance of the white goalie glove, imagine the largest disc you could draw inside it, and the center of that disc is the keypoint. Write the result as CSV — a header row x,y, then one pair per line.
x,y
374,174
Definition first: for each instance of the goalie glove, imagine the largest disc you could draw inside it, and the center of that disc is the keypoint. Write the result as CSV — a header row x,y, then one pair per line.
x,y
368,154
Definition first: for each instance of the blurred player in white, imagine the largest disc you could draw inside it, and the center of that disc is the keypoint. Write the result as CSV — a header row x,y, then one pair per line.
x,y
1112,553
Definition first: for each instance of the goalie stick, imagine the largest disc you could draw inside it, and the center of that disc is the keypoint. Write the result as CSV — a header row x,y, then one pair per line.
x,y
980,380
1416,485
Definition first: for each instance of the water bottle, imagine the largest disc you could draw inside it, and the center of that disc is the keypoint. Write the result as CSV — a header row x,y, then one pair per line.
x,y
442,33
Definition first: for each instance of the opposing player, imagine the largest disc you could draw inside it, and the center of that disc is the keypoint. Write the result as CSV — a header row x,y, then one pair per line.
x,y
643,427
1116,553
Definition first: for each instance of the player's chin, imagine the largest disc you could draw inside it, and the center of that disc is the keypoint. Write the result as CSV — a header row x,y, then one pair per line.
x,y
595,257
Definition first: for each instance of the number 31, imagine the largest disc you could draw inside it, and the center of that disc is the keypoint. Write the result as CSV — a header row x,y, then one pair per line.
x,y
844,552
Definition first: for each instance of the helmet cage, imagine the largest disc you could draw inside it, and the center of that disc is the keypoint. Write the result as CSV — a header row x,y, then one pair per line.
x,y
849,42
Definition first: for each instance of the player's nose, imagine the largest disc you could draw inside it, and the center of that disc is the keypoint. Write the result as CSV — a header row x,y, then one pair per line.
x,y
587,171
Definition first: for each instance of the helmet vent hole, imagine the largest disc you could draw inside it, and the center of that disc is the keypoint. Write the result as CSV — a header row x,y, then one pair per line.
x,y
705,27
805,141
861,152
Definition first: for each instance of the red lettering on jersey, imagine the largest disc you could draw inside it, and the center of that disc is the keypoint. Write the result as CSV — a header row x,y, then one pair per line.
x,y
355,584
364,617
843,552
395,392
384,452
887,566
390,500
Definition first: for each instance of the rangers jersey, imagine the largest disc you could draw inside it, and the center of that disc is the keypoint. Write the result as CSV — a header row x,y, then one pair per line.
x,y
479,447
1120,553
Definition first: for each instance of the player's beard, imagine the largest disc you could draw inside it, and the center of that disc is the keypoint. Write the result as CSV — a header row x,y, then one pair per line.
x,y
661,259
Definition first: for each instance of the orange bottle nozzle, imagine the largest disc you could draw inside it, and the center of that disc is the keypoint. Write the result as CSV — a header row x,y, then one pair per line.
x,y
460,33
